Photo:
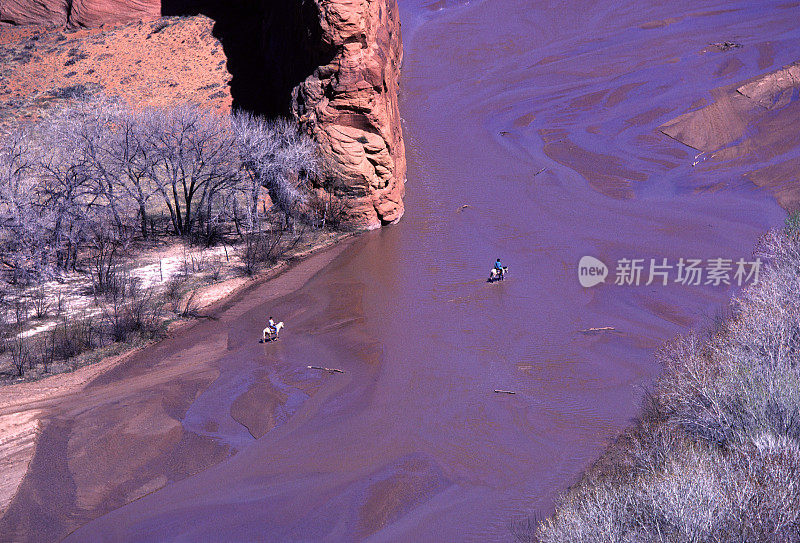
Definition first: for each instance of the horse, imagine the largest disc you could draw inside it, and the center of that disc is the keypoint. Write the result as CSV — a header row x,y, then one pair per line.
x,y
497,275
269,334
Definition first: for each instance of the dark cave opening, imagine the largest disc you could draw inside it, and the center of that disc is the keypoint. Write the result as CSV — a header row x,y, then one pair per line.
x,y
271,47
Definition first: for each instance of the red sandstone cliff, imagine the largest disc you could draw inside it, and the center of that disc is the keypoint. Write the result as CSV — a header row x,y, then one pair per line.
x,y
77,13
350,105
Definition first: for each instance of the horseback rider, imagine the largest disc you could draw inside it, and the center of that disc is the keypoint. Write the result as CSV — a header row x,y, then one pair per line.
x,y
499,267
271,326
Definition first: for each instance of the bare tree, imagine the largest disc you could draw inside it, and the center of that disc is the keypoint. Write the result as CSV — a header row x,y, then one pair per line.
x,y
105,249
66,188
15,342
255,145
41,305
193,163
24,247
46,348
261,246
275,155
121,161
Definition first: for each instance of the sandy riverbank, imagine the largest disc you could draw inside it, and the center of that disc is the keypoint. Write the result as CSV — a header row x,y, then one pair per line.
x,y
26,407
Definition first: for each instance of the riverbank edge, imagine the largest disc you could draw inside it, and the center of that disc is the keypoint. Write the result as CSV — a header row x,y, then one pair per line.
x,y
23,405
722,414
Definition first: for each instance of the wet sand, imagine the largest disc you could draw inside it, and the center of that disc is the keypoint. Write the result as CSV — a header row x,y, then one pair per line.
x,y
411,443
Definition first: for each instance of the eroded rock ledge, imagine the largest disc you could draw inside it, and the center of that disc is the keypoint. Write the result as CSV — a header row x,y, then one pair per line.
x,y
350,105
77,13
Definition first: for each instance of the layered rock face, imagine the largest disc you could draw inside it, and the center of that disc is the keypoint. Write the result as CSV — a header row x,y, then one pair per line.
x,y
93,13
349,103
77,13
34,12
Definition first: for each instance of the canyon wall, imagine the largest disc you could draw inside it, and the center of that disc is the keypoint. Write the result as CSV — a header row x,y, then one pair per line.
x,y
77,13
350,105
332,64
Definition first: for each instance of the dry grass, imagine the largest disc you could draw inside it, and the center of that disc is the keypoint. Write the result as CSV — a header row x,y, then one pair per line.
x,y
715,454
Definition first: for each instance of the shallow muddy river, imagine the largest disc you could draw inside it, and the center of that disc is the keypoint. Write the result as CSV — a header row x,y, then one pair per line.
x,y
542,119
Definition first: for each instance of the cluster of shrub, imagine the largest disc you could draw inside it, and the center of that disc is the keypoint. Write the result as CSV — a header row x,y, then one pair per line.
x,y
127,313
83,186
715,454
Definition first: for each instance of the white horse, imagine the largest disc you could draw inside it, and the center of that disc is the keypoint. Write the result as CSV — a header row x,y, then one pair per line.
x,y
269,334
497,275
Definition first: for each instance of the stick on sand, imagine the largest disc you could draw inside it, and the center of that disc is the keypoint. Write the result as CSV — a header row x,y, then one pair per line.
x,y
600,329
499,391
332,370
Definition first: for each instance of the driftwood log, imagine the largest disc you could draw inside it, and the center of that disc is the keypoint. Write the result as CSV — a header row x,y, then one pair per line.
x,y
331,370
